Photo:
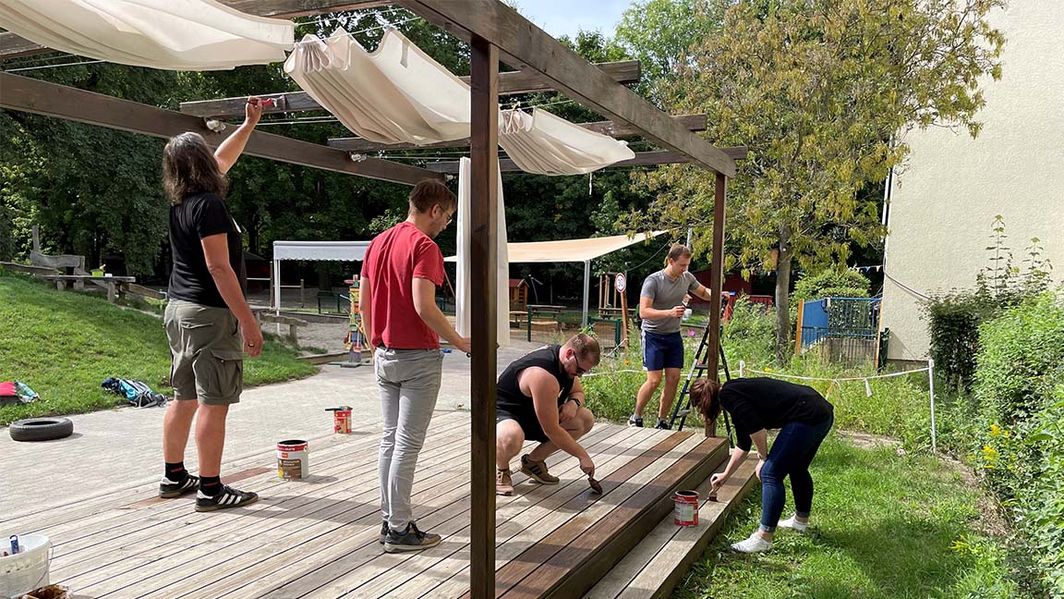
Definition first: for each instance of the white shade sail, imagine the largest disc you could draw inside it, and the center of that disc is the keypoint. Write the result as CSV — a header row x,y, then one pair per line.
x,y
570,250
464,288
344,251
394,94
545,144
195,35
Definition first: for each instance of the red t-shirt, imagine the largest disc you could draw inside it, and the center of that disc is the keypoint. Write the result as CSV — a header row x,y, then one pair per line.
x,y
394,258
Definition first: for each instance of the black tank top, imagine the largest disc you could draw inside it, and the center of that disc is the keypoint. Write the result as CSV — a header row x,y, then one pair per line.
x,y
508,389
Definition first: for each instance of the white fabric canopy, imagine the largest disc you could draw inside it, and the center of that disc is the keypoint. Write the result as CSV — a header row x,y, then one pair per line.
x,y
196,35
395,94
570,250
463,291
546,144
342,251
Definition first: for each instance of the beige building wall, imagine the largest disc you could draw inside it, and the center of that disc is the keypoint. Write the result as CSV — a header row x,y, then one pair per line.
x,y
944,199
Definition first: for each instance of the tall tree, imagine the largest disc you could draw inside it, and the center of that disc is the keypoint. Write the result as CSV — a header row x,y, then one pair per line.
x,y
822,92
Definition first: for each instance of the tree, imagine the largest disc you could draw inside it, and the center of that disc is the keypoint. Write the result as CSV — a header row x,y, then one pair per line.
x,y
822,92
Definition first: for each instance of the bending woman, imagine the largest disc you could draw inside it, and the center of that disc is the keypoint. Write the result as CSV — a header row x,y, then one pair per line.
x,y
756,405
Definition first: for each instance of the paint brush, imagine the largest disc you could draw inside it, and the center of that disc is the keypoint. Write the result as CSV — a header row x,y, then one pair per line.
x,y
596,486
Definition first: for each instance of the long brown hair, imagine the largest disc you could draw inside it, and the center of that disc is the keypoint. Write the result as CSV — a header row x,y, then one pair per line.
x,y
705,395
189,167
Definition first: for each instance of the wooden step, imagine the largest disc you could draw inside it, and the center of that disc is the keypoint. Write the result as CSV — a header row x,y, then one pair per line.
x,y
569,561
654,567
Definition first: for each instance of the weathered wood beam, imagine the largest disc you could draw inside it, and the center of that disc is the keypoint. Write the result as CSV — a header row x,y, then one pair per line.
x,y
524,46
51,99
693,122
484,214
517,82
12,46
507,165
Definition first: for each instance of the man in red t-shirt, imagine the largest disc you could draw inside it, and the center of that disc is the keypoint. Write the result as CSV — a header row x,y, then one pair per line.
x,y
400,273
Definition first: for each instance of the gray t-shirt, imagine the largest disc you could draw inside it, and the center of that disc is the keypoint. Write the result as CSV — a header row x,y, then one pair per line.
x,y
666,294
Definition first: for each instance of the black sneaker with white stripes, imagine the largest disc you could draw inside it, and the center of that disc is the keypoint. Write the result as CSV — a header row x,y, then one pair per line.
x,y
169,488
410,539
228,498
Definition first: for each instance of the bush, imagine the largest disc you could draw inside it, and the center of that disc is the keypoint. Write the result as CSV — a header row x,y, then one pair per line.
x,y
832,282
1020,396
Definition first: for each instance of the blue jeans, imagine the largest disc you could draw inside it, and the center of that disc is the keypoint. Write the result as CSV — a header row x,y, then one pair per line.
x,y
791,454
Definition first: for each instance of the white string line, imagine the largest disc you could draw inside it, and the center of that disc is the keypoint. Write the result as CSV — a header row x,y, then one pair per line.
x,y
742,367
52,66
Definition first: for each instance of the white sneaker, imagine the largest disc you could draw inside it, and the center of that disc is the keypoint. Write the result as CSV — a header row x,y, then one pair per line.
x,y
794,524
754,544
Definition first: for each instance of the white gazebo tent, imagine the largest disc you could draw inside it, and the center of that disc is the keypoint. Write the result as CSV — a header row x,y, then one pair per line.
x,y
571,250
343,251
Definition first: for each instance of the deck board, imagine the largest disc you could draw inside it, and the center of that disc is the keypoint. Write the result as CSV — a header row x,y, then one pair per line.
x,y
319,537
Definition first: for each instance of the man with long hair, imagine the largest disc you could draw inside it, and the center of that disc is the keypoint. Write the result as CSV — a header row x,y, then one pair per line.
x,y
400,273
209,324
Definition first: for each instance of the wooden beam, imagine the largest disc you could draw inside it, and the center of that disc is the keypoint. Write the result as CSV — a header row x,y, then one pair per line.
x,y
517,82
524,46
484,214
507,165
12,46
51,99
693,122
716,280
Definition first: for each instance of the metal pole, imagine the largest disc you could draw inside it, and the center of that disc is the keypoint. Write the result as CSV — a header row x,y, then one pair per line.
x,y
587,285
931,384
275,284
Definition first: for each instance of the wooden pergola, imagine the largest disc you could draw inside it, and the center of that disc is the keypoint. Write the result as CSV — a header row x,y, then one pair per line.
x,y
494,32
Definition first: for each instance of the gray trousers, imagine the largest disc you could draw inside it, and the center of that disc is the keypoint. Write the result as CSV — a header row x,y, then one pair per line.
x,y
409,382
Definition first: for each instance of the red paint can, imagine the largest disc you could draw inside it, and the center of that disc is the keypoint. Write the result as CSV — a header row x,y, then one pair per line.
x,y
341,419
685,510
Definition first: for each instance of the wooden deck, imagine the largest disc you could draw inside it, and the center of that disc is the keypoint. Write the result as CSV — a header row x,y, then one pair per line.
x,y
319,537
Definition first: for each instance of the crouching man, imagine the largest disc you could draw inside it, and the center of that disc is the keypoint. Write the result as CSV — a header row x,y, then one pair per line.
x,y
539,398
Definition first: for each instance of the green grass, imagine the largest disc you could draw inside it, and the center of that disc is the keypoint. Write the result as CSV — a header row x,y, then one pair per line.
x,y
885,526
64,344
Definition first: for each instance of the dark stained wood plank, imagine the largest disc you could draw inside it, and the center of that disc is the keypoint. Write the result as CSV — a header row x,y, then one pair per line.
x,y
715,286
507,165
693,122
572,571
515,82
524,564
484,213
51,99
527,47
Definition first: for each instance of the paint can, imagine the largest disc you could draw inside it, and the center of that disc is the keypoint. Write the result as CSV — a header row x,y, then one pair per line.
x,y
341,419
293,460
685,509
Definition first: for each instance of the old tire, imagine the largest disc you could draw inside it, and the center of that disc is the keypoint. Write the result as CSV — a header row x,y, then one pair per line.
x,y
41,429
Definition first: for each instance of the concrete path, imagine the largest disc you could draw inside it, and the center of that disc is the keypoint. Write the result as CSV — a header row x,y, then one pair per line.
x,y
122,448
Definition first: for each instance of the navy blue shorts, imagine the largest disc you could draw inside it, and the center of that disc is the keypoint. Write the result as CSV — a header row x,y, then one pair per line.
x,y
662,351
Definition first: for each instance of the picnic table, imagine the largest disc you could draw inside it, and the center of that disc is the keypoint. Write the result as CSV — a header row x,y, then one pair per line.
x,y
547,325
113,285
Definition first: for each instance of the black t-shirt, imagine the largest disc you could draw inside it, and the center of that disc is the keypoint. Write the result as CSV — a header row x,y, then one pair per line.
x,y
509,396
766,403
196,217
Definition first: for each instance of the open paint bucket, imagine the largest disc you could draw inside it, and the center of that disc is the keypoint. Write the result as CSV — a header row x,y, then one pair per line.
x,y
685,510
293,460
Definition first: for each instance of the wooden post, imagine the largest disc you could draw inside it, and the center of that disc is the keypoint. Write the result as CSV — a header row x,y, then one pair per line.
x,y
484,140
716,282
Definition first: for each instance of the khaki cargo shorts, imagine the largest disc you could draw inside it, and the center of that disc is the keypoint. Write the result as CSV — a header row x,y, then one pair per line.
x,y
207,353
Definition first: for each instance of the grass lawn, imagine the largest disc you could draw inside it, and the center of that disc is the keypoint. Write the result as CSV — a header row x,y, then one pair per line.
x,y
885,526
64,344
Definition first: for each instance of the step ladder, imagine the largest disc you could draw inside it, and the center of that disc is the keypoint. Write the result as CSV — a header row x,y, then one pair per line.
x,y
699,368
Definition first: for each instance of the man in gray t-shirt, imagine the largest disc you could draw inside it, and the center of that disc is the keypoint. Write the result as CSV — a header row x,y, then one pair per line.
x,y
661,306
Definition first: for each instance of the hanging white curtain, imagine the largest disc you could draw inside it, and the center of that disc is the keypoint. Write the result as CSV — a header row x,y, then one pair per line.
x,y
463,290
394,94
545,144
195,35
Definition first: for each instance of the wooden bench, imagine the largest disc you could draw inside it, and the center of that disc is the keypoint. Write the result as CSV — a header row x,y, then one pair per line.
x,y
293,324
113,285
